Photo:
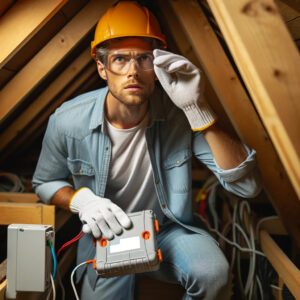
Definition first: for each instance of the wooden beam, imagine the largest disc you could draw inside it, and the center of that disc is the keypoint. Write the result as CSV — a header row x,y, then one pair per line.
x,y
18,197
3,289
28,133
22,21
286,270
27,213
47,59
269,63
45,98
4,5
287,12
238,106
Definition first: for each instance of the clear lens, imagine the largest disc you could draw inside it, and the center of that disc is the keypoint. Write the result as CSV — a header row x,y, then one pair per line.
x,y
119,62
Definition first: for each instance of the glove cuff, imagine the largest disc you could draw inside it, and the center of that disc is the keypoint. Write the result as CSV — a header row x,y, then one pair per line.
x,y
81,197
200,116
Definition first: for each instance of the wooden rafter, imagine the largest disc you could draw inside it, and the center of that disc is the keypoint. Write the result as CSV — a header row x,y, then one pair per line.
x,y
24,19
269,63
46,60
26,213
48,95
237,105
29,133
281,263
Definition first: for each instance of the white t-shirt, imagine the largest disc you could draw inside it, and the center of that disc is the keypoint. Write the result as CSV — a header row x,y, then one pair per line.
x,y
130,181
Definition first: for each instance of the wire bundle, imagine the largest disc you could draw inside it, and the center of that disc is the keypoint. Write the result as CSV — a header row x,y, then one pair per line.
x,y
240,229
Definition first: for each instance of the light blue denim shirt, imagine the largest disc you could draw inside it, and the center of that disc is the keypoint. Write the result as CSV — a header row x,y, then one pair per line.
x,y
75,145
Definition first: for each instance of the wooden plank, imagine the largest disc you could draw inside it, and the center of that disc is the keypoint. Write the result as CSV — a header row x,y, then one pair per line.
x,y
281,263
27,136
18,197
4,5
45,98
22,21
48,214
287,12
3,289
43,62
238,107
294,28
295,4
27,213
269,63
3,266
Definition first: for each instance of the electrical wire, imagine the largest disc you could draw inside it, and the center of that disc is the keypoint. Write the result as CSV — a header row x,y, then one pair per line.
x,y
67,244
54,259
73,272
13,184
53,287
241,228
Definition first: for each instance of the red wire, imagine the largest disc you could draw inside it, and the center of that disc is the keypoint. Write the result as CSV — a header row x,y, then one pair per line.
x,y
73,240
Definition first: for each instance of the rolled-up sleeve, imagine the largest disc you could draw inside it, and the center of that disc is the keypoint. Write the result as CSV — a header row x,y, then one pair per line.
x,y
51,173
243,180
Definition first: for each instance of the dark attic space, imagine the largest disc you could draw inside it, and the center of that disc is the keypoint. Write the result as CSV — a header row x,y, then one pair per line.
x,y
149,149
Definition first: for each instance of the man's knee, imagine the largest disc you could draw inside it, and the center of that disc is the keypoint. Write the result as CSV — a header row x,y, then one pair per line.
x,y
208,279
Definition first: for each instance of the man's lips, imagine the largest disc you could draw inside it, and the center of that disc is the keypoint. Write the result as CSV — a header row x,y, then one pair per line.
x,y
133,87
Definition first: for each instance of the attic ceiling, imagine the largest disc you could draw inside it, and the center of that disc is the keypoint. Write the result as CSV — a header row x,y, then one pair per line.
x,y
45,60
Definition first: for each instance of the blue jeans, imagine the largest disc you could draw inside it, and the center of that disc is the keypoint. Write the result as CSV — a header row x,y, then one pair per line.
x,y
190,259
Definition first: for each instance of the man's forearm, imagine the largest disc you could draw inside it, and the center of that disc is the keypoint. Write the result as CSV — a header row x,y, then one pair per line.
x,y
228,152
62,197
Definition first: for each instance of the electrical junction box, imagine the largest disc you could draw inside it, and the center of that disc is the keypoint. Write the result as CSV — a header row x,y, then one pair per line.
x,y
29,261
134,251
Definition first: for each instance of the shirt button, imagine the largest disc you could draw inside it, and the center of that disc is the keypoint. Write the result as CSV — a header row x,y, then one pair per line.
x,y
178,162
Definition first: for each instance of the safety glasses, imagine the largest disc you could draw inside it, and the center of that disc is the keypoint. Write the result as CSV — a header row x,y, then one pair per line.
x,y
119,62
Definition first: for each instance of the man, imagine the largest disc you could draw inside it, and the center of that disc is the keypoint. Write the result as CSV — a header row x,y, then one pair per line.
x,y
128,148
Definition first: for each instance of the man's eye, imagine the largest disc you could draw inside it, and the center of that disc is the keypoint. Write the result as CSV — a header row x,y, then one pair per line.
x,y
144,57
119,59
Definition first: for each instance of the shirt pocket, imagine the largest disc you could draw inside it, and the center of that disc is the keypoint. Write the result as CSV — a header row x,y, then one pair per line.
x,y
83,173
178,171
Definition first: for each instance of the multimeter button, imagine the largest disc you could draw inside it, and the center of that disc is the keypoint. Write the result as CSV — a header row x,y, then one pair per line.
x,y
159,255
156,226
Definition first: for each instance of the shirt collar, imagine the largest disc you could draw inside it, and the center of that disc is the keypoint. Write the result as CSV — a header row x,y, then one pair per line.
x,y
156,108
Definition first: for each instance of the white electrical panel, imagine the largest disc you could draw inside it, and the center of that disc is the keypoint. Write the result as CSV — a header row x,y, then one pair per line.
x,y
29,259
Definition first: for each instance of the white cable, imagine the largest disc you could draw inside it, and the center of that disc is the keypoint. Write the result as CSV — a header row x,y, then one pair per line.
x,y
261,221
260,288
273,286
72,280
53,287
231,243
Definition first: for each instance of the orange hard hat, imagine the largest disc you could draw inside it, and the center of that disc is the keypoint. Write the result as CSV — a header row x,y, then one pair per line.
x,y
127,19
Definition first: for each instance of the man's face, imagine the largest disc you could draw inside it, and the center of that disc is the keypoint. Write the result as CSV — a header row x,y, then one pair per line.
x,y
129,71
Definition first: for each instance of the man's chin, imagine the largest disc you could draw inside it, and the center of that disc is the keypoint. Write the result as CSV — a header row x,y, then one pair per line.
x,y
134,100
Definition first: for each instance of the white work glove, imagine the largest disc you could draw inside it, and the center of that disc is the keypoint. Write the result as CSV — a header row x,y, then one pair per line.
x,y
181,81
99,215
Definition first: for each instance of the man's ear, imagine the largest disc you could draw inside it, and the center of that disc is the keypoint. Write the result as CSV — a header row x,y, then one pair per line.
x,y
101,70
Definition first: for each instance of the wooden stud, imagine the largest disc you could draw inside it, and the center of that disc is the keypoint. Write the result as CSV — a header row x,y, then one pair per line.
x,y
281,263
45,98
22,21
18,197
26,213
239,108
268,61
3,289
53,53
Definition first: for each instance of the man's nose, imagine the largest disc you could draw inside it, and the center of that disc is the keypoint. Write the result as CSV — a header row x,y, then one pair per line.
x,y
133,68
